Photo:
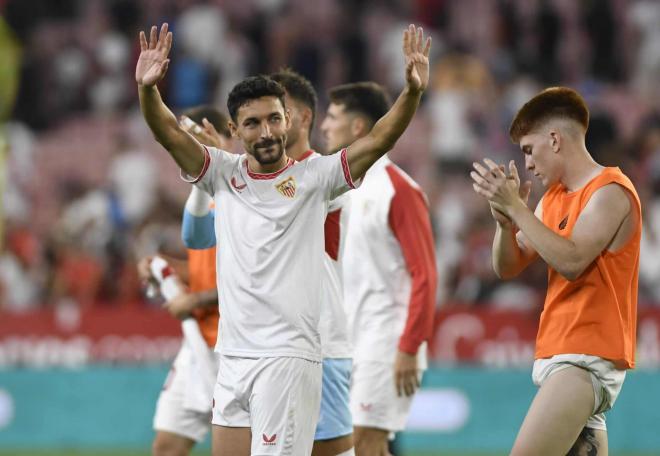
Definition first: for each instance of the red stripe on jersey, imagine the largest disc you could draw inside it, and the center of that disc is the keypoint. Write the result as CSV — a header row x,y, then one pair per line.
x,y
205,166
332,230
264,176
411,224
305,155
346,169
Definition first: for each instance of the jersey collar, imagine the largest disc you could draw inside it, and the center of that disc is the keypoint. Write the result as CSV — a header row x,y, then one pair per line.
x,y
266,176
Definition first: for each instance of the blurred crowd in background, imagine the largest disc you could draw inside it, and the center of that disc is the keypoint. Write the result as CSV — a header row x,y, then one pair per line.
x,y
86,190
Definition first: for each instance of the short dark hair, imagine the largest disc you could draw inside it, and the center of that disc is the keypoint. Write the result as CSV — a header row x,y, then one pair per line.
x,y
367,98
218,119
552,103
250,89
299,88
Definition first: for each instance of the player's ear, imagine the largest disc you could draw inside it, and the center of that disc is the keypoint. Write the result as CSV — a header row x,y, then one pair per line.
x,y
307,118
555,140
359,126
233,129
287,119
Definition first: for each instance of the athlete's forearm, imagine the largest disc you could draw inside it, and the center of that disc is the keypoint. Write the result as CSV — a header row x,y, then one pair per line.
x,y
182,147
207,298
160,119
559,253
392,125
385,133
508,260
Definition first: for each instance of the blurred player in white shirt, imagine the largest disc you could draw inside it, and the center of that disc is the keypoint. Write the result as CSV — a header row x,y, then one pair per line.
x,y
269,220
390,276
334,431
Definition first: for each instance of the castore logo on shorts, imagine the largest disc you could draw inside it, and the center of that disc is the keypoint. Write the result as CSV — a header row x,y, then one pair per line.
x,y
269,440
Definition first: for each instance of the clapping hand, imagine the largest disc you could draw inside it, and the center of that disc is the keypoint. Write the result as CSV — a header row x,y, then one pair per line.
x,y
500,190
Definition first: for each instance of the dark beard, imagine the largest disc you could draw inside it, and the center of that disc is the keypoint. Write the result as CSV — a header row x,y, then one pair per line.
x,y
269,159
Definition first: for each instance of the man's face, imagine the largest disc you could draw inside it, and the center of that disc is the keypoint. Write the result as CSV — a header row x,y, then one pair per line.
x,y
262,127
337,128
541,157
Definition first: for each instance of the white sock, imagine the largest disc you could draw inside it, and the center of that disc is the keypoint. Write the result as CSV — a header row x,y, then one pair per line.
x,y
350,452
198,202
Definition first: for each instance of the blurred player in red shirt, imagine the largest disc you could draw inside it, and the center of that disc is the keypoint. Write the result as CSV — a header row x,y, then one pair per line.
x,y
389,274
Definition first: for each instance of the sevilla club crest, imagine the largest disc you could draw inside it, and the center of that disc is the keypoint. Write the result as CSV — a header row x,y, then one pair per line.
x,y
287,187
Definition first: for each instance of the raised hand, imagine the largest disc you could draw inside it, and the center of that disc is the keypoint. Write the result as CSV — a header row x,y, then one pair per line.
x,y
153,62
417,59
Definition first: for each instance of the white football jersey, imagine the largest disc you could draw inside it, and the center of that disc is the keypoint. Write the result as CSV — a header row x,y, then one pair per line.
x,y
379,291
270,265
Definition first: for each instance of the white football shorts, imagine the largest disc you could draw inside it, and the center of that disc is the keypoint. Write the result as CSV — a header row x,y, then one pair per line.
x,y
374,399
173,412
279,398
606,380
